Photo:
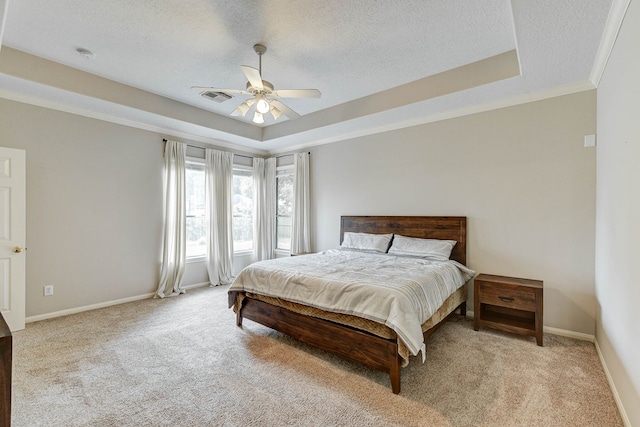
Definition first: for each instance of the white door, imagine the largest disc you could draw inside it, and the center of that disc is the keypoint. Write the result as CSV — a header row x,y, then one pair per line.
x,y
12,236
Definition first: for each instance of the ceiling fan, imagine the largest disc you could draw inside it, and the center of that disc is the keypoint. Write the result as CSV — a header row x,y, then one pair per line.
x,y
265,97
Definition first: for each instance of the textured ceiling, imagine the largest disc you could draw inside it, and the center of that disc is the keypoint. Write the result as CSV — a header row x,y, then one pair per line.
x,y
352,51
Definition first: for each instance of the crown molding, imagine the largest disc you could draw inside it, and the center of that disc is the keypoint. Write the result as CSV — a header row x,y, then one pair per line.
x,y
611,29
165,131
4,7
502,103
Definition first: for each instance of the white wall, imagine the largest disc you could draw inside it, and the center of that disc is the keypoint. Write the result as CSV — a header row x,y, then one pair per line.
x,y
618,215
521,175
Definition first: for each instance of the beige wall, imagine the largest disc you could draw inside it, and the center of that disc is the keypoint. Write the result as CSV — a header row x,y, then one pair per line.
x,y
521,175
94,209
618,215
94,206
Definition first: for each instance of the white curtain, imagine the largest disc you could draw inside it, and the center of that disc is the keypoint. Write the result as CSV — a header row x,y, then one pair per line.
x,y
300,225
264,214
174,233
219,188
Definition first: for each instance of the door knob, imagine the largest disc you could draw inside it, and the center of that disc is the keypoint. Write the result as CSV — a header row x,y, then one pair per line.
x,y
17,249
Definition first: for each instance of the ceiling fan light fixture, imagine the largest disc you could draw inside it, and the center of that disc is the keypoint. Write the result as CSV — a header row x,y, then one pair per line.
x,y
275,113
262,105
241,109
258,118
261,94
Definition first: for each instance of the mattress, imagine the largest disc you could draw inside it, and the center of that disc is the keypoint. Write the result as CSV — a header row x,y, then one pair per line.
x,y
398,295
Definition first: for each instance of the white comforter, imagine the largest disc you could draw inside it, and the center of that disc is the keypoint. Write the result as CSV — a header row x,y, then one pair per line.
x,y
400,292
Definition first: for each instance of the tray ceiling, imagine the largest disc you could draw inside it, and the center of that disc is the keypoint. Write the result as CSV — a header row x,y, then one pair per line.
x,y
379,65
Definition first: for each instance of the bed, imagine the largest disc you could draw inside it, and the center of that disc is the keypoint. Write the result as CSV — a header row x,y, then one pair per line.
x,y
355,335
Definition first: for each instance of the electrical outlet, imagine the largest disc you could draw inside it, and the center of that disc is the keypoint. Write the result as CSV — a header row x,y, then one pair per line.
x,y
48,290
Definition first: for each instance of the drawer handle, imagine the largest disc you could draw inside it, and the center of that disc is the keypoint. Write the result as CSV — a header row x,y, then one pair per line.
x,y
507,299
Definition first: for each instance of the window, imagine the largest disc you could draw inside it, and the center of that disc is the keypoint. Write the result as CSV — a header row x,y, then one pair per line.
x,y
242,209
242,200
284,194
196,226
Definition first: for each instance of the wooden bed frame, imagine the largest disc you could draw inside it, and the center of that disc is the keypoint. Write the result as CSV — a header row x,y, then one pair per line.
x,y
351,343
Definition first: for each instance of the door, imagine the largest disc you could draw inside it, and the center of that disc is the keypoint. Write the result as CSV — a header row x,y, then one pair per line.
x,y
12,236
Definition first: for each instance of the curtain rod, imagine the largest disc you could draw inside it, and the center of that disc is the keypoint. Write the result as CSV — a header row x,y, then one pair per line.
x,y
239,155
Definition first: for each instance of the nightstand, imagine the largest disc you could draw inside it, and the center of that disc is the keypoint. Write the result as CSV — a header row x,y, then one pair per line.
x,y
508,303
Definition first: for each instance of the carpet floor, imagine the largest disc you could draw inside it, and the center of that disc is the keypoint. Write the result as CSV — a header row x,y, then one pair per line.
x,y
182,362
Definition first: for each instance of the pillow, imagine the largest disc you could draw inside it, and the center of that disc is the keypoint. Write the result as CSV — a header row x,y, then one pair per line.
x,y
426,248
365,241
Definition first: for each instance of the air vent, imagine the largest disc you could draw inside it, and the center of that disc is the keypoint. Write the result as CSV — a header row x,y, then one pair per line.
x,y
216,96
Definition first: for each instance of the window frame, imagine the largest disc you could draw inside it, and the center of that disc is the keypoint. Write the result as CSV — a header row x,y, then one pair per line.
x,y
281,171
249,169
200,162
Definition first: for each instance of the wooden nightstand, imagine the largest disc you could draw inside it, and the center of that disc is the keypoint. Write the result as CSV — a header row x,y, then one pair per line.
x,y
509,304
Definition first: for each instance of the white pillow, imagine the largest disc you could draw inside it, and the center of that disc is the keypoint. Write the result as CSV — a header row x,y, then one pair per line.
x,y
365,241
426,248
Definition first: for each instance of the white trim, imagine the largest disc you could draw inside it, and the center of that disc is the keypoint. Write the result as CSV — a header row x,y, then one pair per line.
x,y
86,308
467,111
556,331
571,334
612,386
45,103
4,8
243,253
76,310
515,35
502,103
284,170
282,253
196,285
195,259
611,29
590,338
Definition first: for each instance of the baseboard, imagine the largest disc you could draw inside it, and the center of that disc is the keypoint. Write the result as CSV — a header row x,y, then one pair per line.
x,y
612,386
197,285
556,331
86,308
590,338
101,305
571,334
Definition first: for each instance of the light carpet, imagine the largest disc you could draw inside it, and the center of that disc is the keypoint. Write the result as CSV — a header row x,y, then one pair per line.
x,y
182,362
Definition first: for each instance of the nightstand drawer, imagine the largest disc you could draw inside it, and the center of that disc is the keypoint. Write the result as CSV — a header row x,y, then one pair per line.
x,y
507,296
508,303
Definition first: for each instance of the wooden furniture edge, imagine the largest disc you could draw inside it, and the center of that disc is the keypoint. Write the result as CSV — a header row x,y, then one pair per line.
x,y
506,319
6,349
424,227
287,322
350,343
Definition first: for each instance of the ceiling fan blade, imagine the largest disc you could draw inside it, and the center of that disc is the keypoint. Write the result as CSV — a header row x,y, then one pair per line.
x,y
253,76
217,89
285,110
296,93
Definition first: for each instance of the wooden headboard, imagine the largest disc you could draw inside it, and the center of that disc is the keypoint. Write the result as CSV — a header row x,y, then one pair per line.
x,y
423,227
